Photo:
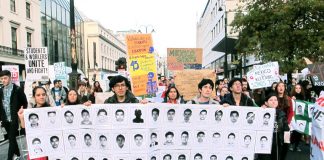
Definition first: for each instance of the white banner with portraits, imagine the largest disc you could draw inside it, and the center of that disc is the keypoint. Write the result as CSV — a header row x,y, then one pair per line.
x,y
149,132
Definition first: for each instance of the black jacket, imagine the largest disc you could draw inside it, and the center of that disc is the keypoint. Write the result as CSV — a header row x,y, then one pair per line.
x,y
130,98
245,100
17,99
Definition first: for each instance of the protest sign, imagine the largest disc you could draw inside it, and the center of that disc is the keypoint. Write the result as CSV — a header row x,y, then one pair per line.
x,y
36,63
317,142
302,120
184,58
263,75
187,81
60,72
14,69
142,66
317,73
137,130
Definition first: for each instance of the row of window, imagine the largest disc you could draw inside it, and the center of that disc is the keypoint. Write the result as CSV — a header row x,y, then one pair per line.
x,y
13,8
111,52
217,28
14,38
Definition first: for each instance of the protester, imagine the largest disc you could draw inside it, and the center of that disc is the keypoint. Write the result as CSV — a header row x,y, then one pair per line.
x,y
259,96
219,84
97,87
236,97
224,91
278,141
172,95
12,98
85,93
58,93
72,98
205,88
39,94
122,94
285,104
246,88
297,93
291,85
62,87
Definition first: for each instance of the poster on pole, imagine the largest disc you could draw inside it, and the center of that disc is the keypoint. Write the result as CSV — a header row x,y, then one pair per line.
x,y
141,64
60,72
263,75
302,120
184,58
36,63
317,141
187,81
140,131
14,69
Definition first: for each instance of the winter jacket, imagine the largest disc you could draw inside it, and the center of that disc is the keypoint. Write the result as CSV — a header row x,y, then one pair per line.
x,y
245,100
196,101
130,98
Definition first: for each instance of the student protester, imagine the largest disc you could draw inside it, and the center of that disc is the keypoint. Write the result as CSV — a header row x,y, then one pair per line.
x,y
59,94
246,88
219,84
12,97
205,88
39,94
285,104
278,141
85,94
297,93
172,95
62,87
223,93
122,93
236,97
74,99
259,96
97,87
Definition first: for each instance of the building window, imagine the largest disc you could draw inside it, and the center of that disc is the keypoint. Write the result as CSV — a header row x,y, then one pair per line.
x,y
29,39
28,10
13,5
14,40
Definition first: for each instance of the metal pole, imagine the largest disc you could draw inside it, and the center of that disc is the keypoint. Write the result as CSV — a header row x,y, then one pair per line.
x,y
225,60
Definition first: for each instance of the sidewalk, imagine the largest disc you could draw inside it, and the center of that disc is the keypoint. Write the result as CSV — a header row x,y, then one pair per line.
x,y
4,147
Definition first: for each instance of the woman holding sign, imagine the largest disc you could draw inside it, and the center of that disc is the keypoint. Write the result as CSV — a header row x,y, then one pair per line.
x,y
39,94
172,95
278,138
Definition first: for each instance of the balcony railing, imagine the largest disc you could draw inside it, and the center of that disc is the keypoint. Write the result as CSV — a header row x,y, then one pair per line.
x,y
11,51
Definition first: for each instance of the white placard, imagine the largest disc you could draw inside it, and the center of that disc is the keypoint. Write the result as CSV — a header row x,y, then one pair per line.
x,y
263,75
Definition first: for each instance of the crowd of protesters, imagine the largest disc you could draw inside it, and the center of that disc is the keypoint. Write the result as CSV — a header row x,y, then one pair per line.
x,y
233,92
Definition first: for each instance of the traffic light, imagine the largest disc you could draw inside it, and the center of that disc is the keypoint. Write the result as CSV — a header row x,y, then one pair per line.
x,y
121,64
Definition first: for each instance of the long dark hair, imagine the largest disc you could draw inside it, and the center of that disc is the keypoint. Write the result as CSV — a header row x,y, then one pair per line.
x,y
95,88
67,102
168,91
282,101
299,96
34,93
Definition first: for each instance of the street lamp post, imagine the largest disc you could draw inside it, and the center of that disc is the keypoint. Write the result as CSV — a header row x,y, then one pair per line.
x,y
225,43
74,75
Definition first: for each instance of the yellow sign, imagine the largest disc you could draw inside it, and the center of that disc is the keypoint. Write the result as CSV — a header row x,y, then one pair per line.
x,y
141,64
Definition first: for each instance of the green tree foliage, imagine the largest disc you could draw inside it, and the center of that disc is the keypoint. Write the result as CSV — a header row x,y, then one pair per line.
x,y
281,30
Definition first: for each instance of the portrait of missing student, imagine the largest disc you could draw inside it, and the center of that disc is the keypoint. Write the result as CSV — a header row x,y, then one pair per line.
x,y
265,118
139,139
55,143
310,108
53,118
173,115
247,140
217,138
301,125
168,139
263,142
201,114
122,157
101,115
154,138
121,141
120,115
155,114
73,156
231,139
138,156
249,118
89,140
36,145
72,139
71,117
186,138
105,156
246,156
182,155
300,108
90,156
103,138
199,155
86,117
234,117
200,139
218,116
186,116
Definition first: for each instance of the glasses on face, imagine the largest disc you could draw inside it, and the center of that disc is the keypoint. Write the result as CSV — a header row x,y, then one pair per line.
x,y
119,86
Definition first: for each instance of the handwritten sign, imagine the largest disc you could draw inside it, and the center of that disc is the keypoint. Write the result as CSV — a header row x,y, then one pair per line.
x,y
141,64
317,72
187,81
14,69
263,75
184,58
60,72
36,62
317,148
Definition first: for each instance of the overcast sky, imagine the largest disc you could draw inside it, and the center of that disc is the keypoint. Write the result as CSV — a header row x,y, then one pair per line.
x,y
173,20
